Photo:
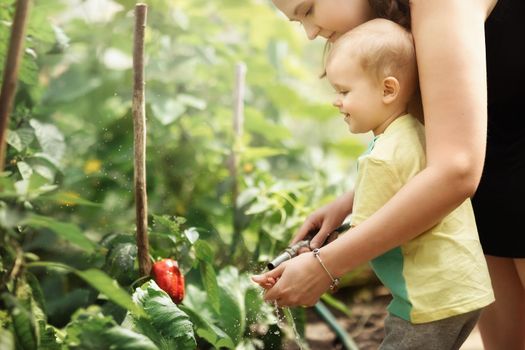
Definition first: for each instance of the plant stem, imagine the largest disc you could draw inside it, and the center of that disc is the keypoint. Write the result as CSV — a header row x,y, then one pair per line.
x,y
139,130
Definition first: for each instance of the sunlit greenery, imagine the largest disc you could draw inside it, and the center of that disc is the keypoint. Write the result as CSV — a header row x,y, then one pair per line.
x,y
67,212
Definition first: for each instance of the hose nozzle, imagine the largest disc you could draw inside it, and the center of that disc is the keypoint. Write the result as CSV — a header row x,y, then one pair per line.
x,y
293,250
288,253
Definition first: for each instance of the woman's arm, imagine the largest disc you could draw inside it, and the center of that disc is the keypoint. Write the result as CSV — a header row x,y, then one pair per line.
x,y
450,49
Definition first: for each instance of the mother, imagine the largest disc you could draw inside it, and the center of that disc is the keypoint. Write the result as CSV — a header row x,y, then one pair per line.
x,y
460,45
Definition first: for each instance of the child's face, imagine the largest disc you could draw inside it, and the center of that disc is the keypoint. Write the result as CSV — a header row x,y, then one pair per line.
x,y
359,95
327,18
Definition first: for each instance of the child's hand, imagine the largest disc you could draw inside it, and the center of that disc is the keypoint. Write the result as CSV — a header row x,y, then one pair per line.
x,y
324,221
265,282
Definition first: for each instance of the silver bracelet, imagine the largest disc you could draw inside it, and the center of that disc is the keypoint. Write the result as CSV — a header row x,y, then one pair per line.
x,y
335,281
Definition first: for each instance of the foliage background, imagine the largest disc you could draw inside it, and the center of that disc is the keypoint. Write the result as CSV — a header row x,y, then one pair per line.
x,y
67,193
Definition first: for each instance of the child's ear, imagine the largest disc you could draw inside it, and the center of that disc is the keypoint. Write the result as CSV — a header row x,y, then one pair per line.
x,y
390,89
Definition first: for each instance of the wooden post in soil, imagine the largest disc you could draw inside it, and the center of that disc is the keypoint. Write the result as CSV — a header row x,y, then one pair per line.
x,y
139,131
238,125
10,76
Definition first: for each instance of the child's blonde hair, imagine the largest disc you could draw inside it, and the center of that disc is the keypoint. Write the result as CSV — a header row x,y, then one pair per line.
x,y
382,47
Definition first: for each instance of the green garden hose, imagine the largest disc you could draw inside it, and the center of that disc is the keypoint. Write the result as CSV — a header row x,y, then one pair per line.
x,y
326,315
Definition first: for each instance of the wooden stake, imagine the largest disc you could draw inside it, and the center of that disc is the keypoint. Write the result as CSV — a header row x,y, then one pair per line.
x,y
238,126
10,76
139,130
238,112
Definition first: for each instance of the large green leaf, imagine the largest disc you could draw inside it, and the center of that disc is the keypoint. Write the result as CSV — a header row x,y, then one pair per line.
x,y
167,325
232,311
68,231
100,281
90,330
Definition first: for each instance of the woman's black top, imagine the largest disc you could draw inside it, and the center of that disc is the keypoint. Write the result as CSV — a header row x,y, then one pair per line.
x,y
499,201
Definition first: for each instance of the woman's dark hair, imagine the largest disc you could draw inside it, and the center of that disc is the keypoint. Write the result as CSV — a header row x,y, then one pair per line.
x,y
394,10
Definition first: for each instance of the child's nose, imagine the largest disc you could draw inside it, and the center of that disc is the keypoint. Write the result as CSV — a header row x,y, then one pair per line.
x,y
337,102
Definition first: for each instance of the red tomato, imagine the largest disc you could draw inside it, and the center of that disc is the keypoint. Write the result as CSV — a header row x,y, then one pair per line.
x,y
169,278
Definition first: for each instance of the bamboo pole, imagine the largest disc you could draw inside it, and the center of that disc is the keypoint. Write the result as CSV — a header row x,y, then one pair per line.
x,y
139,131
238,127
10,76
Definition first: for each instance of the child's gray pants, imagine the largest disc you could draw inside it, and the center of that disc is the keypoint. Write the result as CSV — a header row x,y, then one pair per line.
x,y
446,334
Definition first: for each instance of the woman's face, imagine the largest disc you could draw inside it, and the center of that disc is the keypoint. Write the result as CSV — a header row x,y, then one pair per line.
x,y
327,18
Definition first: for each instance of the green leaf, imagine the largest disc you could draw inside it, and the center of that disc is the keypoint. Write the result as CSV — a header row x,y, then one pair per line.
x,y
110,288
232,312
257,310
247,196
36,292
29,189
125,339
24,169
68,231
50,139
261,205
203,251
208,331
209,279
23,323
70,198
38,184
120,263
48,338
43,165
100,281
86,328
91,330
14,139
168,326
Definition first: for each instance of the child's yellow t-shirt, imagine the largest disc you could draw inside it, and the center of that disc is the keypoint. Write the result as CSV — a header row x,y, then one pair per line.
x,y
442,272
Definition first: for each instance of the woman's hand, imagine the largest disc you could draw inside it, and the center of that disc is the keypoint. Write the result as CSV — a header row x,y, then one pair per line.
x,y
325,220
297,282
